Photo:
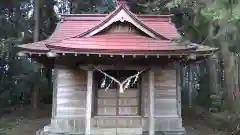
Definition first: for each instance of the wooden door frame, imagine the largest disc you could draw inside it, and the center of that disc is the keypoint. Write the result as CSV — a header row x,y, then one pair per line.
x,y
139,97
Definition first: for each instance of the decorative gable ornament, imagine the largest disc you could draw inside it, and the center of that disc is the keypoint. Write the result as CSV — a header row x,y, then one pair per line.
x,y
122,19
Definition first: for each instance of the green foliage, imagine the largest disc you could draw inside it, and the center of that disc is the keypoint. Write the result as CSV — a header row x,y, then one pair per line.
x,y
217,101
215,23
105,6
92,6
18,76
220,19
152,7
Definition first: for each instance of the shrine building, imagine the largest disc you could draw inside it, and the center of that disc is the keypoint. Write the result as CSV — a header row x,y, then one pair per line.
x,y
116,73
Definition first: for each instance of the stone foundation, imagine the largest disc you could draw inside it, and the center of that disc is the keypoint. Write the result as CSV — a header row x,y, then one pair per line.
x,y
169,124
174,133
71,126
41,132
163,126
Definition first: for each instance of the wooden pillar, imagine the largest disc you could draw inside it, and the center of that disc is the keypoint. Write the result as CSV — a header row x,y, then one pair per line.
x,y
179,104
54,87
151,103
89,102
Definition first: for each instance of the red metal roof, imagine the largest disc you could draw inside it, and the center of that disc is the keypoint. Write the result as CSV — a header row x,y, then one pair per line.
x,y
116,41
159,23
64,30
133,16
69,35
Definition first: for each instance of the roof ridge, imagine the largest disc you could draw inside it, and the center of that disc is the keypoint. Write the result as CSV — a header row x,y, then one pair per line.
x,y
99,16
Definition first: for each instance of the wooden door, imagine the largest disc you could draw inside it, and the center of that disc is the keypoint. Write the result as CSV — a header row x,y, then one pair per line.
x,y
128,102
106,102
113,103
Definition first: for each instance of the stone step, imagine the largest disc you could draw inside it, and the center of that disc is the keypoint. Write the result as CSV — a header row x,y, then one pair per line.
x,y
166,133
49,133
174,133
116,131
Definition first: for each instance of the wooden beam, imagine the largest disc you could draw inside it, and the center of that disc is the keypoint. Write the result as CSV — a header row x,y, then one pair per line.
x,y
151,103
113,67
137,54
89,102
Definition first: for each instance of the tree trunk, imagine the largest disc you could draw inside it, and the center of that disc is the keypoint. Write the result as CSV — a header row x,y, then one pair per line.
x,y
36,38
228,60
70,6
35,94
213,66
190,86
36,19
236,84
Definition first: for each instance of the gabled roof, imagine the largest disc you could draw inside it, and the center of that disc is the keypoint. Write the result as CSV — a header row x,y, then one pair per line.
x,y
159,23
122,14
79,33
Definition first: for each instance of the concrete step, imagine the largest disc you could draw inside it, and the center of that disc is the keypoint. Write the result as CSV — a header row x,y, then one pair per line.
x,y
116,131
174,133
101,131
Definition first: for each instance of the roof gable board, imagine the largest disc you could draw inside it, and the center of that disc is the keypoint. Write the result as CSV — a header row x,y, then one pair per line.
x,y
122,14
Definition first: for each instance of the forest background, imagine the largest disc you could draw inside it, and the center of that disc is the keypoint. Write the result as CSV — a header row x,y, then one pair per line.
x,y
210,86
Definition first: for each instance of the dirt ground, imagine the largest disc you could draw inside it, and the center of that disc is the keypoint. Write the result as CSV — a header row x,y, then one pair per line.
x,y
16,125
24,121
31,126
194,128
28,128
